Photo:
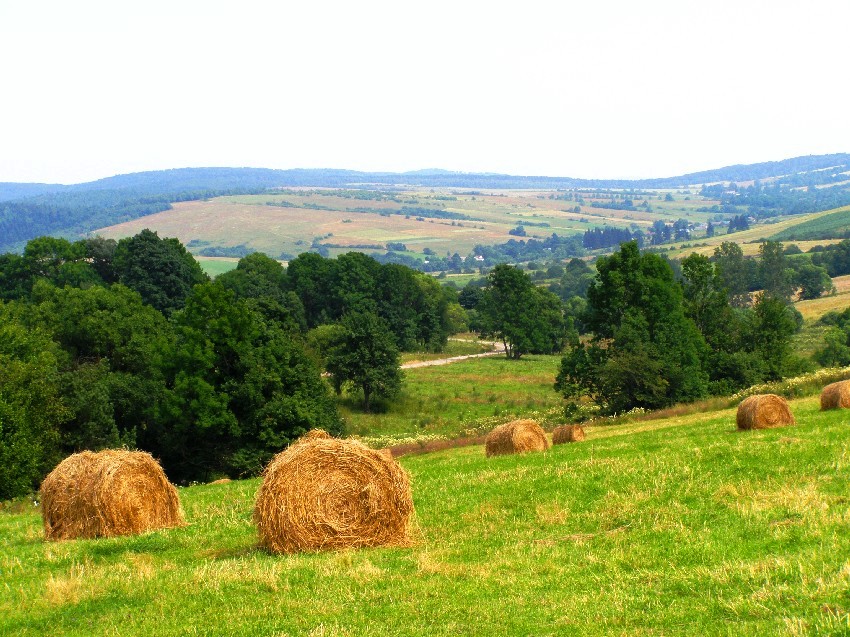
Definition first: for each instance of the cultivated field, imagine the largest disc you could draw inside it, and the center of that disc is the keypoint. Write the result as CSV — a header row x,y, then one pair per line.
x,y
814,309
671,527
289,222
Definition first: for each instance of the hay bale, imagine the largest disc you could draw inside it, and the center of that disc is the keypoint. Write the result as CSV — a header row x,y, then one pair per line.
x,y
567,433
326,493
517,436
836,395
108,493
314,434
764,411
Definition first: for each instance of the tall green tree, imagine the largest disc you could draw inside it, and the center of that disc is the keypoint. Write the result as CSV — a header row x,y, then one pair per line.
x,y
162,271
239,388
365,356
733,272
113,344
527,319
776,276
31,407
645,352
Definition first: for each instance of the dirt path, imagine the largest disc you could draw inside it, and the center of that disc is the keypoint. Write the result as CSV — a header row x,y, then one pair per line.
x,y
498,348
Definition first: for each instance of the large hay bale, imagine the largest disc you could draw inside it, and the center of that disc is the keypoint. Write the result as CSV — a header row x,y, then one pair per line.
x,y
764,411
326,493
836,395
517,436
567,433
108,493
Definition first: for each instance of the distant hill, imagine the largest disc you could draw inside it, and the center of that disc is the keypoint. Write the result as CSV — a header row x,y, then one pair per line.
x,y
31,210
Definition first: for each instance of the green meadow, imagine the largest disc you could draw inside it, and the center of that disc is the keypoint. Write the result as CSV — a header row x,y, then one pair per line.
x,y
678,526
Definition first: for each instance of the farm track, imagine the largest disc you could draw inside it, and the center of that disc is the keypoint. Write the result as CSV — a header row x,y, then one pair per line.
x,y
498,348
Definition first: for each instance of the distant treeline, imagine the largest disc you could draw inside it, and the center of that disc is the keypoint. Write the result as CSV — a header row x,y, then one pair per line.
x,y
784,198
606,237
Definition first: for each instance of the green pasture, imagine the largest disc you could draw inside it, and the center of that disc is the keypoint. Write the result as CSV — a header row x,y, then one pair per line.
x,y
670,527
449,400
215,266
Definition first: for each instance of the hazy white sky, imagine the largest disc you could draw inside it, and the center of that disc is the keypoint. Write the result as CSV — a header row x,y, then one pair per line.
x,y
603,88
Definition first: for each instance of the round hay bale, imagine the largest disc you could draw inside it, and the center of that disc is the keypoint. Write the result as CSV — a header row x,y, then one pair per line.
x,y
517,436
836,395
764,411
108,493
567,433
326,493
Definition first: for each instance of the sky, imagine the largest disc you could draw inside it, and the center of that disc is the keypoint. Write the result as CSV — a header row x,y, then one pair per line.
x,y
603,89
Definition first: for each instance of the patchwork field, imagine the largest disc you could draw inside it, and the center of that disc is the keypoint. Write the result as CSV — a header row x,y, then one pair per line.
x,y
673,527
445,221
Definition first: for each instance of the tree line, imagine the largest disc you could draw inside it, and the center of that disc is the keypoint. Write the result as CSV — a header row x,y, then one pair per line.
x,y
110,343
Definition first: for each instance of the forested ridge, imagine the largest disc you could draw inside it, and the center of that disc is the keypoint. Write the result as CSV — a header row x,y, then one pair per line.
x,y
31,210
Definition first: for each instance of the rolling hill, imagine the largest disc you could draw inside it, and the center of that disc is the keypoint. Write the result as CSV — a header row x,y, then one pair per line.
x,y
30,210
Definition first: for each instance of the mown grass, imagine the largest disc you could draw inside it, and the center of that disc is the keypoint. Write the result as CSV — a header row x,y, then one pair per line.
x,y
671,527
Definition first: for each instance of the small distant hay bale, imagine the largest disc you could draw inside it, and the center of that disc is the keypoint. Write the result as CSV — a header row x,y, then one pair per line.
x,y
567,433
764,411
221,481
108,493
328,494
517,436
836,395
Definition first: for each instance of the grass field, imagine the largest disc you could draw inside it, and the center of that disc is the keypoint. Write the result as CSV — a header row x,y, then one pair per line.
x,y
449,399
812,310
673,527
214,266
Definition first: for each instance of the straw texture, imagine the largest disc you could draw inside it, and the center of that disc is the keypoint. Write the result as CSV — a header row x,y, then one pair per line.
x,y
764,411
326,493
108,493
567,433
517,436
836,395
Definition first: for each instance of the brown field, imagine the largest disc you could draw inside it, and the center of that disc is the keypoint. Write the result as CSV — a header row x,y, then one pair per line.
x,y
814,309
274,229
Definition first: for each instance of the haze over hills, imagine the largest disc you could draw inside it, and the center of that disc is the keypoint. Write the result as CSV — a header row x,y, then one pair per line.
x,y
31,210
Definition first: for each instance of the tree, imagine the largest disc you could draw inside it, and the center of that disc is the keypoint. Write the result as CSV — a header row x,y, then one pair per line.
x,y
772,325
775,276
263,281
239,389
365,356
645,352
31,408
527,319
162,271
813,281
111,377
835,352
733,272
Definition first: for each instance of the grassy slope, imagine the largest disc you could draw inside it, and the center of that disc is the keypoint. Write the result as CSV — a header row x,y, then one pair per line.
x,y
448,399
676,527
